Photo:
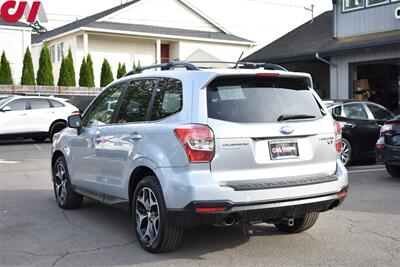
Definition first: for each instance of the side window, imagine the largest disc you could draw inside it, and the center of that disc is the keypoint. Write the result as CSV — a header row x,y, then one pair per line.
x,y
39,103
168,99
56,104
355,111
17,105
135,105
102,110
379,113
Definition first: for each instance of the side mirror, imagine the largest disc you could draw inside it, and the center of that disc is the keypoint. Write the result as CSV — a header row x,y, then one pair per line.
x,y
6,109
75,121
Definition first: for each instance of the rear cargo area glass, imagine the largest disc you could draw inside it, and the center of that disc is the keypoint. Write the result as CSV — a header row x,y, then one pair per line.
x,y
250,99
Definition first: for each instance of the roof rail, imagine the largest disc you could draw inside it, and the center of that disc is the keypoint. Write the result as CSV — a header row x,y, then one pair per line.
x,y
165,66
190,66
245,65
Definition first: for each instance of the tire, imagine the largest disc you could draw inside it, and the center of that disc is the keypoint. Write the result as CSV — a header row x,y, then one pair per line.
x,y
300,224
347,151
56,128
393,170
65,196
148,201
39,139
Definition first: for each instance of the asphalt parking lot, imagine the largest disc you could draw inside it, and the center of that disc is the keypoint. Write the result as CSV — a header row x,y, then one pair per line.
x,y
365,231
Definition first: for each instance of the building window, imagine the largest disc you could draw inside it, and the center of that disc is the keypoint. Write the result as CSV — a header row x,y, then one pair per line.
x,y
352,4
53,53
376,2
60,50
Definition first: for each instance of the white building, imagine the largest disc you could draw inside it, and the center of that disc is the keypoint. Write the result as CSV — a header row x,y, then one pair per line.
x,y
145,31
14,39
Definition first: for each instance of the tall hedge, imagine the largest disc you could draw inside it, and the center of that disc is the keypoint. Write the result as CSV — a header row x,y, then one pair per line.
x,y
83,74
121,70
28,73
90,72
70,70
45,71
107,76
5,71
62,77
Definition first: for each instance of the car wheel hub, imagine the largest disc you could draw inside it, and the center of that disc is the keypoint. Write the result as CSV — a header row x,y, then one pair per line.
x,y
60,184
147,216
345,155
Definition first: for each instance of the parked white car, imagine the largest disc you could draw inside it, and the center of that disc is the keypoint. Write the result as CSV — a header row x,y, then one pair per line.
x,y
38,118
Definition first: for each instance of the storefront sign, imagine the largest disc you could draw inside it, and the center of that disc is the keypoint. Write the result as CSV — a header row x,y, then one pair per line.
x,y
397,13
13,11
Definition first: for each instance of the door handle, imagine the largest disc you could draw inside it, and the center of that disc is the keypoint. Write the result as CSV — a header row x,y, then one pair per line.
x,y
98,140
135,137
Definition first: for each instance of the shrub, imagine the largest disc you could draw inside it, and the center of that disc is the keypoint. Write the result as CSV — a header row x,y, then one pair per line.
x,y
70,70
45,72
90,74
5,71
83,74
107,76
28,73
121,70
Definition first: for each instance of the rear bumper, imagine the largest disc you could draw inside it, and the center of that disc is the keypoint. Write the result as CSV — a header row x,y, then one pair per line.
x,y
253,212
388,155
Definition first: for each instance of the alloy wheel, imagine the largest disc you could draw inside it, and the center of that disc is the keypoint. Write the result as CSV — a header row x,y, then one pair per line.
x,y
147,216
60,183
345,155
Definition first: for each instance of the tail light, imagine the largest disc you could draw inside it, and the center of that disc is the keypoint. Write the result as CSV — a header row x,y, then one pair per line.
x,y
198,142
75,112
338,137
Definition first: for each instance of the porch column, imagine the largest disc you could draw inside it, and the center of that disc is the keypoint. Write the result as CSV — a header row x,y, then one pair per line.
x,y
85,44
158,51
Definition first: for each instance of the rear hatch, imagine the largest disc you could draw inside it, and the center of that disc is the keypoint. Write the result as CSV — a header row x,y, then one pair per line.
x,y
268,127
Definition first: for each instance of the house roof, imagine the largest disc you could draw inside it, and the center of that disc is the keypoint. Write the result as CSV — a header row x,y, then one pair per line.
x,y
93,23
317,37
16,24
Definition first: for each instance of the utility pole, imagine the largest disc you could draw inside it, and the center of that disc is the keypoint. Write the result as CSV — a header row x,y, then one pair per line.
x,y
311,9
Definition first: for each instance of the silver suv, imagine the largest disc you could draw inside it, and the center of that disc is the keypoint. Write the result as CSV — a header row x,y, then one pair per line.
x,y
190,147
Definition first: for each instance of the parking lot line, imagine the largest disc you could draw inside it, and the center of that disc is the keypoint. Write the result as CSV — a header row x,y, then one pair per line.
x,y
367,170
8,162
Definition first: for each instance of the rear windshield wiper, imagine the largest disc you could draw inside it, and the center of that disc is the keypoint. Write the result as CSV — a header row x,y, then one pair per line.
x,y
295,117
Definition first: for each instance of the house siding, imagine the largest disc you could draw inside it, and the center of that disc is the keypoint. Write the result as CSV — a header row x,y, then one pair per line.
x,y
367,20
340,76
14,42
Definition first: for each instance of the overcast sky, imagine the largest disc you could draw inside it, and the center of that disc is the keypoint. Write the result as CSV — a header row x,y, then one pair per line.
x,y
261,21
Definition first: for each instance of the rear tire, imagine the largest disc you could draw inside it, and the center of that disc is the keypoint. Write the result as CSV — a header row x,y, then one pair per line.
x,y
393,170
347,151
56,128
300,224
65,196
149,214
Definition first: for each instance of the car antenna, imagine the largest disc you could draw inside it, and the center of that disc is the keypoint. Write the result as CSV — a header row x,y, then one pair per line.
x,y
240,58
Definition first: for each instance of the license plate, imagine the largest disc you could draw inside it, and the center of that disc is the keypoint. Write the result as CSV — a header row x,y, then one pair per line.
x,y
283,150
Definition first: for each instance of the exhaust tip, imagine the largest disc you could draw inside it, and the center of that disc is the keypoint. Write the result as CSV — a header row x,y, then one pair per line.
x,y
230,220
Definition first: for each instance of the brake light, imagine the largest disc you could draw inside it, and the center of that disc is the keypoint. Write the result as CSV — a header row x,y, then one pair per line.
x,y
267,74
198,142
75,112
338,137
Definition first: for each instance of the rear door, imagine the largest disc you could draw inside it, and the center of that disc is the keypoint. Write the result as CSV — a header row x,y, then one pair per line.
x,y
40,115
268,127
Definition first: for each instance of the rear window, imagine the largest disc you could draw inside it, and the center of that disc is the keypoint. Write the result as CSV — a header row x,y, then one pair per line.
x,y
260,99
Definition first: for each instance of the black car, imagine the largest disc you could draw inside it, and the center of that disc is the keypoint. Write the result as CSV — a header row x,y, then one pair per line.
x,y
361,124
388,147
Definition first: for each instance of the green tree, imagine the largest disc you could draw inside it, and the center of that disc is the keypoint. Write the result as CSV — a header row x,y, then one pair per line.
x,y
62,77
70,70
5,71
121,70
28,73
107,76
45,71
90,73
83,74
